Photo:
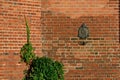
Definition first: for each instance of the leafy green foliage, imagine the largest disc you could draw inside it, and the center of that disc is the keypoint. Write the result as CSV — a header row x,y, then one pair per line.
x,y
27,51
45,69
39,68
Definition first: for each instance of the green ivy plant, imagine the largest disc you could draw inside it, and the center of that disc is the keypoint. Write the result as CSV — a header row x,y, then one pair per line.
x,y
27,51
43,68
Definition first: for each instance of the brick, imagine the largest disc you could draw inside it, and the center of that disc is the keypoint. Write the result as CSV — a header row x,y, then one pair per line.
x,y
54,28
101,17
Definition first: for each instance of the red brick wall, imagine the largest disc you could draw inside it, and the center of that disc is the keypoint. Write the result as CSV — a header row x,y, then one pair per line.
x,y
99,58
54,28
13,34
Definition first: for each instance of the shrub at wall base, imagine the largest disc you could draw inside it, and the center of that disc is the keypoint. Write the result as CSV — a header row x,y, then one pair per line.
x,y
43,68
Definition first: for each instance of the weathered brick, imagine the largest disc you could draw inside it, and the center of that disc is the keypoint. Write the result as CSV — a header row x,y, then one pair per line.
x,y
54,28
102,18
